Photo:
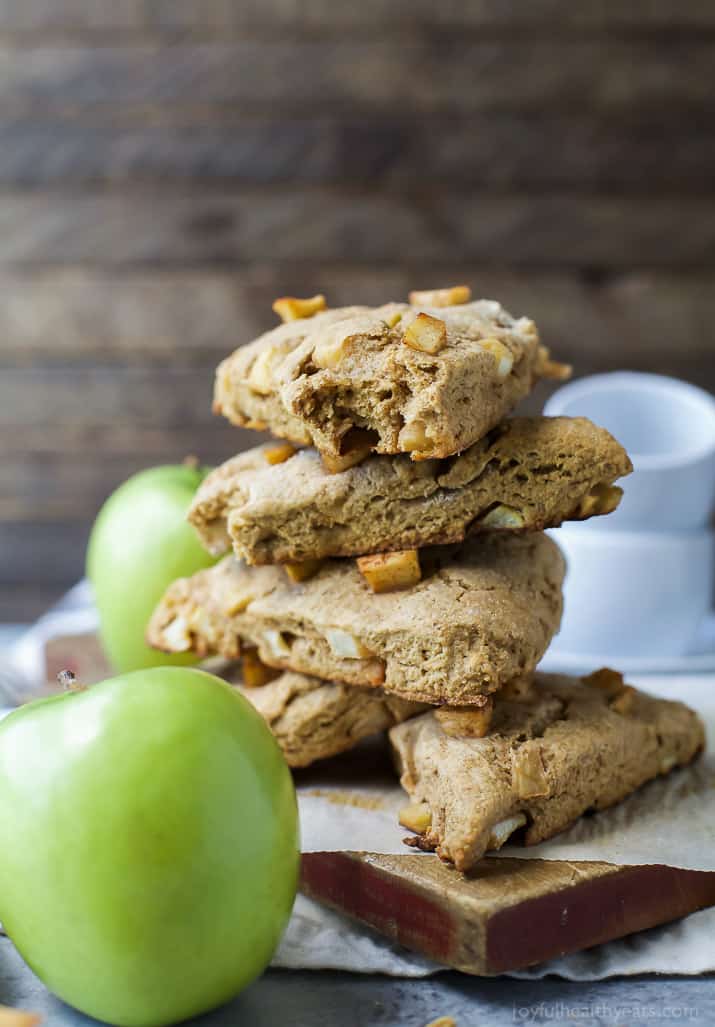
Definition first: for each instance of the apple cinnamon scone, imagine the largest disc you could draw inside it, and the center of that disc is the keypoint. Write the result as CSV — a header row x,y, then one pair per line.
x,y
424,378
314,719
275,504
479,614
565,746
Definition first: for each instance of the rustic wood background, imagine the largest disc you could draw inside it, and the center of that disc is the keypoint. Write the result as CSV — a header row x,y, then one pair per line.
x,y
167,168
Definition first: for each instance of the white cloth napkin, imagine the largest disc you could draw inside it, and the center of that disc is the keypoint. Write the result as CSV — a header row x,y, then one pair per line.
x,y
669,821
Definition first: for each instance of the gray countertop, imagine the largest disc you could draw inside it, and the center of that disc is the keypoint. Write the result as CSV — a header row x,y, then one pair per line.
x,y
308,998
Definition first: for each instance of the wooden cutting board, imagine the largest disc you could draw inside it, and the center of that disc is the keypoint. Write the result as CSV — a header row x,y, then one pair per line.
x,y
509,914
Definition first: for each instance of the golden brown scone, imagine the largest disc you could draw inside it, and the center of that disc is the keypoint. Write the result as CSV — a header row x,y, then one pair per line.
x,y
574,745
528,474
483,613
314,719
317,379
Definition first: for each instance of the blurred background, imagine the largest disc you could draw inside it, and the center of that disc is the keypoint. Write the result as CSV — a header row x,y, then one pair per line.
x,y
168,168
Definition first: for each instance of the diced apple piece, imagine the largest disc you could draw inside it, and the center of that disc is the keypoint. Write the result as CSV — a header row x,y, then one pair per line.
x,y
346,646
548,368
602,499
504,829
254,672
290,308
427,334
177,635
279,453
501,353
391,572
466,721
358,445
302,571
417,817
606,680
260,377
276,644
452,296
528,775
503,517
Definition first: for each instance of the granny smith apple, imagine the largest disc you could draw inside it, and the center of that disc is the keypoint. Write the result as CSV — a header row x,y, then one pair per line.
x,y
141,542
148,844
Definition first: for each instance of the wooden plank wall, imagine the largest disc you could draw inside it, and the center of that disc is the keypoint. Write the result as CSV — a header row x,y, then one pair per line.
x,y
167,167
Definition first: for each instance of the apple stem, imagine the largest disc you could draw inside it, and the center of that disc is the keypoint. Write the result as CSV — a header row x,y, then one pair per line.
x,y
191,461
68,681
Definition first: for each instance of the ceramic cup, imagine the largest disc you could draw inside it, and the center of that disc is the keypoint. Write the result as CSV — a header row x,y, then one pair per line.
x,y
634,594
668,429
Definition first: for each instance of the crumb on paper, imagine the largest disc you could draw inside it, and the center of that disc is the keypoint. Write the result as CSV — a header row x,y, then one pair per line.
x,y
346,799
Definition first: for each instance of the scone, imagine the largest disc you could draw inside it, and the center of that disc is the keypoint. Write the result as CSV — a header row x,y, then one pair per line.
x,y
314,719
424,380
529,473
483,613
571,746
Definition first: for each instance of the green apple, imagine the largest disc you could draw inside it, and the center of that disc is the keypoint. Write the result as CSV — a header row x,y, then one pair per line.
x,y
140,543
148,844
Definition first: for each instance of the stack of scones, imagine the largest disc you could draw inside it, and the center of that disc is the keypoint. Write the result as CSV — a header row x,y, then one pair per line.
x,y
388,570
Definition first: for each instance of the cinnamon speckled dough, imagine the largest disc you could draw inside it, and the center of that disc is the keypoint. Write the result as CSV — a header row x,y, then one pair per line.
x,y
382,384
483,613
314,719
542,467
568,749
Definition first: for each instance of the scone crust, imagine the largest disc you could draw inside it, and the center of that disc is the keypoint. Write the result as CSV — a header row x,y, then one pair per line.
x,y
313,719
484,612
539,467
587,754
382,384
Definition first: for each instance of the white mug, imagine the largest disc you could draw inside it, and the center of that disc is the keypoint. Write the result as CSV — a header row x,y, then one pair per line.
x,y
668,428
633,594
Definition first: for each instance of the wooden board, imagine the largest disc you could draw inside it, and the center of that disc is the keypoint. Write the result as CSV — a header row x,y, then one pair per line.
x,y
176,227
221,16
586,151
378,75
511,913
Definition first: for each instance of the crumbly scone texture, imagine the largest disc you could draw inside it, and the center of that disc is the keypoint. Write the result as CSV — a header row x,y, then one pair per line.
x,y
566,751
382,384
483,613
540,467
314,719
